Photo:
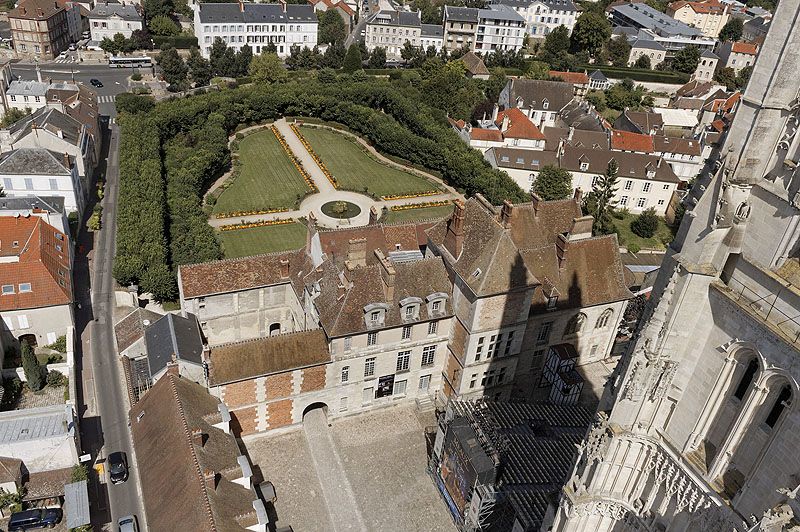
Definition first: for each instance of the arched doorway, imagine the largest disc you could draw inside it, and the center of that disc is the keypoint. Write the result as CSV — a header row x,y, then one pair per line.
x,y
274,328
316,406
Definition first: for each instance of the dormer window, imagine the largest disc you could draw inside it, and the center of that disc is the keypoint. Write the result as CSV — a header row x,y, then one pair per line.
x,y
436,303
545,104
375,314
552,301
651,173
584,166
374,317
409,308
409,312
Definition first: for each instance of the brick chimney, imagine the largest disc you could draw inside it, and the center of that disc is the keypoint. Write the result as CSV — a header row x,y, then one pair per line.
x,y
581,228
198,437
562,246
387,275
454,238
535,201
284,268
173,368
210,478
357,251
506,213
66,161
241,6
373,215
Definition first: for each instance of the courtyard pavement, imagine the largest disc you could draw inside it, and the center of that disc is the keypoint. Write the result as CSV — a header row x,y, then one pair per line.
x,y
364,472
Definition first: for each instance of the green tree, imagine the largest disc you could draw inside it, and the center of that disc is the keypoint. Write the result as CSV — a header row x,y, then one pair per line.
x,y
267,68
109,46
163,25
726,76
445,87
326,75
732,30
159,281
600,201
31,367
352,61
242,63
412,55
218,57
174,69
619,49
538,70
334,55
13,114
377,58
158,8
598,99
743,77
133,103
199,68
141,39
331,28
643,61
553,183
556,42
430,13
686,59
590,33
646,224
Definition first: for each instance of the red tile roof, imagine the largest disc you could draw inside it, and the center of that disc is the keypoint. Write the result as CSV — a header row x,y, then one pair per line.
x,y
492,135
744,48
719,125
29,255
520,126
627,141
711,6
576,78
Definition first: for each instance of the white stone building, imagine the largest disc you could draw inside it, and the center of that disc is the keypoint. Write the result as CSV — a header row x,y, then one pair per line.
x,y
651,49
543,16
706,67
108,19
499,28
540,100
737,55
39,171
709,16
255,24
432,35
460,26
390,30
702,433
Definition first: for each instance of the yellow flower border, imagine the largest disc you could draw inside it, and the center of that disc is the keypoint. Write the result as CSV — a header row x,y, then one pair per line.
x,y
263,223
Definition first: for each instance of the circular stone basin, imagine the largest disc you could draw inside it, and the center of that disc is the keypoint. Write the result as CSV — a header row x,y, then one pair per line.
x,y
341,210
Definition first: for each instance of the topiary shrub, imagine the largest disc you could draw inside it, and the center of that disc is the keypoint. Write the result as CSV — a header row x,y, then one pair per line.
x,y
31,367
646,224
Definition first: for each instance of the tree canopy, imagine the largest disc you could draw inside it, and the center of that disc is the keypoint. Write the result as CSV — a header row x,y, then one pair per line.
x,y
331,28
686,59
590,33
352,61
619,50
174,70
267,68
732,30
553,183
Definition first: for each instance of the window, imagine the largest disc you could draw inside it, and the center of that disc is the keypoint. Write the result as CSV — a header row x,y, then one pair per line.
x,y
433,327
544,332
473,380
666,187
402,360
784,399
641,202
28,183
343,404
372,338
509,342
23,321
494,345
369,367
406,332
345,373
604,318
399,388
409,312
428,354
374,316
584,166
746,380
8,289
661,202
646,187
623,201
575,324
552,301
348,343
436,306
424,383
628,184
7,183
479,349
24,287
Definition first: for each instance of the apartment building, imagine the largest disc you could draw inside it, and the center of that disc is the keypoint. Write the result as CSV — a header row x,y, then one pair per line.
x,y
543,16
390,30
500,28
255,24
432,35
460,26
108,19
39,29
39,171
654,25
708,16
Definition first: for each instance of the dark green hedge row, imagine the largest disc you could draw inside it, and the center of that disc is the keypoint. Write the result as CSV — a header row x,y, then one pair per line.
x,y
638,74
181,42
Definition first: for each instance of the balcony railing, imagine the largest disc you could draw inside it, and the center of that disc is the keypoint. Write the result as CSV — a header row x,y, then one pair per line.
x,y
765,309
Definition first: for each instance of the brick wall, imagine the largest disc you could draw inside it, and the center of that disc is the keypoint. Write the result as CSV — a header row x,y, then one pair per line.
x,y
313,379
239,393
245,420
279,413
279,385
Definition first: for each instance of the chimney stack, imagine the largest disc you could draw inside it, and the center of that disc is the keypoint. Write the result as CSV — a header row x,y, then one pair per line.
x,y
506,122
578,195
506,213
387,275
357,251
284,268
495,111
198,438
581,228
210,478
241,6
173,368
311,226
535,200
454,238
571,132
66,161
373,215
38,73
562,245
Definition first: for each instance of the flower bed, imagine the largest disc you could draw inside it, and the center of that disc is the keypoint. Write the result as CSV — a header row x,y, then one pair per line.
x,y
263,223
419,205
409,196
314,155
236,214
295,161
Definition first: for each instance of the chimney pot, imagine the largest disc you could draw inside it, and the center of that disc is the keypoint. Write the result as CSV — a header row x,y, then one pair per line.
x,y
387,274
210,478
373,215
506,213
284,268
562,245
357,251
535,201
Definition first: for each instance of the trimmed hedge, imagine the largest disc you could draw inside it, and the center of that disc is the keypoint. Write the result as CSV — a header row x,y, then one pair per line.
x,y
638,74
181,42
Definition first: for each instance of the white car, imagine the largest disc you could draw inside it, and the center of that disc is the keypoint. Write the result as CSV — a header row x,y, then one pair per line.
x,y
128,524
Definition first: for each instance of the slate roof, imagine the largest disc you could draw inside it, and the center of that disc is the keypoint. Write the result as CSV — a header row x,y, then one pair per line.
x,y
255,13
534,91
50,120
643,16
40,263
676,145
575,137
647,44
103,10
131,328
641,121
708,54
396,18
633,165
432,30
386,237
32,424
461,14
578,115
263,356
33,161
52,204
27,88
576,78
173,335
474,64
500,12
173,464
522,159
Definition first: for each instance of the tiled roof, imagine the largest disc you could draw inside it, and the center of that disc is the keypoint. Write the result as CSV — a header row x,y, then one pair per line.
x,y
520,126
491,135
103,10
39,261
533,92
464,14
263,356
711,6
647,44
627,141
51,120
633,165
474,64
576,78
386,237
187,482
744,48
171,336
10,470
575,137
35,9
34,161
249,12
131,328
47,484
676,145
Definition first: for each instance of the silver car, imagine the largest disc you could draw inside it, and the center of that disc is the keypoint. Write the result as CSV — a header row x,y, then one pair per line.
x,y
128,524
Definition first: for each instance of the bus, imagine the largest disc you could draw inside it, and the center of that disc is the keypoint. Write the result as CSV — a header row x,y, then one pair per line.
x,y
130,62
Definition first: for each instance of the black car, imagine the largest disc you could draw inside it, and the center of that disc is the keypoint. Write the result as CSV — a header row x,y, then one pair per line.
x,y
118,467
32,519
96,83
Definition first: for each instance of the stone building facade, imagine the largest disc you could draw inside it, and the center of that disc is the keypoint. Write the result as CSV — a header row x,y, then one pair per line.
x,y
702,432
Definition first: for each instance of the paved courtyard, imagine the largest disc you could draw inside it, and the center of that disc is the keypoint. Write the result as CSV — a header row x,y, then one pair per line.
x,y
365,472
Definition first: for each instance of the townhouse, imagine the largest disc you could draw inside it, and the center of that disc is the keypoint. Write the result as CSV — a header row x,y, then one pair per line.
x,y
708,16
737,55
108,19
540,100
498,27
431,36
42,172
646,47
255,24
460,26
390,30
39,29
510,127
543,16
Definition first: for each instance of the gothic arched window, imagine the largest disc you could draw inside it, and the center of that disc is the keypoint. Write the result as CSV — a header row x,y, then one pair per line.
x,y
781,403
746,380
604,318
575,324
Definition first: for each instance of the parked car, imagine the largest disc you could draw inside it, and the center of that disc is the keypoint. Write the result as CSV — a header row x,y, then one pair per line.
x,y
128,524
117,467
32,519
72,47
96,82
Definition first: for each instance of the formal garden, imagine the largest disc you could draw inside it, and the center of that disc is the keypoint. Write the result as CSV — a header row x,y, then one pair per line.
x,y
264,239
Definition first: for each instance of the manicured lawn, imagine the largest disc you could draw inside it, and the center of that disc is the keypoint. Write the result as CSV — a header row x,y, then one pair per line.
x,y
425,213
356,170
258,240
627,237
267,177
